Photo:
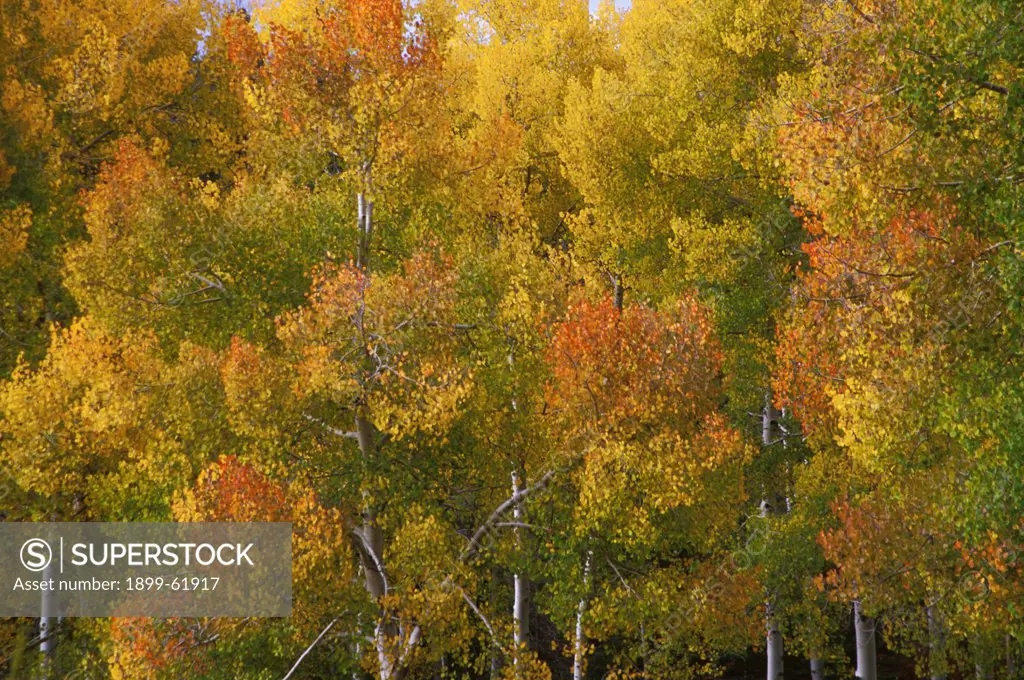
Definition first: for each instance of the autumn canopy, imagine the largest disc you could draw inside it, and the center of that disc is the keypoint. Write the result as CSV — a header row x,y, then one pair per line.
x,y
675,341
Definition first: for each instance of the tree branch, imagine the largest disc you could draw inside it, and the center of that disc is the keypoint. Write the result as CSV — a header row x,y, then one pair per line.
x,y
337,432
474,542
310,648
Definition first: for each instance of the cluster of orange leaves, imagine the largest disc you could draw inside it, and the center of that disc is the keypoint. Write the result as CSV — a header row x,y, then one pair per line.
x,y
878,544
620,369
368,41
894,552
850,281
233,490
230,490
121,192
256,388
143,648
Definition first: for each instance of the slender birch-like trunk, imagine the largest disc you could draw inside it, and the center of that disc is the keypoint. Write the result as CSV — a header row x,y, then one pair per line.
x,y
390,641
774,643
817,668
48,626
577,662
364,221
356,675
774,650
393,645
867,656
518,587
371,556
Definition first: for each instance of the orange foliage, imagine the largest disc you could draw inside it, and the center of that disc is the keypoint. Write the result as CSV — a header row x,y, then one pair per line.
x,y
230,490
243,45
256,389
122,191
351,59
377,26
144,648
621,369
850,293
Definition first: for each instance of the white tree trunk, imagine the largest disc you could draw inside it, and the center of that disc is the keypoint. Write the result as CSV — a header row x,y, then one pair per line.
x,y
390,643
774,642
867,656
577,662
769,416
356,675
368,227
518,587
48,626
817,668
364,221
774,648
361,230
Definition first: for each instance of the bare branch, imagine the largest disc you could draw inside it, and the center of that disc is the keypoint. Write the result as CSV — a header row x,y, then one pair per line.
x,y
345,434
474,542
310,648
476,610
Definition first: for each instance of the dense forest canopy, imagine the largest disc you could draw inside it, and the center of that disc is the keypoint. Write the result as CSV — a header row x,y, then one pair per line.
x,y
627,344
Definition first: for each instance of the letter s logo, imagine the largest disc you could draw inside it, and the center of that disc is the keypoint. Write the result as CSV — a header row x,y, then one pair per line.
x,y
36,554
